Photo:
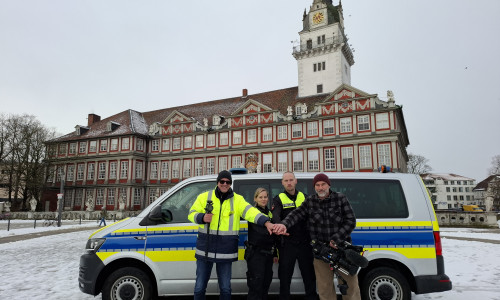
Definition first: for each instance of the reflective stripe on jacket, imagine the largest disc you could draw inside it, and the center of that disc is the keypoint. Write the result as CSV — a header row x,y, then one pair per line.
x,y
219,240
287,203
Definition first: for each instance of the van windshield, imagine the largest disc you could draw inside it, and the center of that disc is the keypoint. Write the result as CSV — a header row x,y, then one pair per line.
x,y
180,202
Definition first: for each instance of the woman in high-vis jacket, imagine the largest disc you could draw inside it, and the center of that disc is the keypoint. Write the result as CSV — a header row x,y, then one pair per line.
x,y
218,214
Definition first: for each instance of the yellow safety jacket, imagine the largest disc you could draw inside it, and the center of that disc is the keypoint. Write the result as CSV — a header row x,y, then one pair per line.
x,y
287,203
218,241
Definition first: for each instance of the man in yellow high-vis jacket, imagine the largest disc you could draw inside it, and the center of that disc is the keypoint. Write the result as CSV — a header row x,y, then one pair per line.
x,y
218,214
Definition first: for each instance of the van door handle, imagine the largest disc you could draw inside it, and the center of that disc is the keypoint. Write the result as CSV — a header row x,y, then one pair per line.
x,y
139,237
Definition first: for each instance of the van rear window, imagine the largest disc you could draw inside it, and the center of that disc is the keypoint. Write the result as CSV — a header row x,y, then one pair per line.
x,y
373,198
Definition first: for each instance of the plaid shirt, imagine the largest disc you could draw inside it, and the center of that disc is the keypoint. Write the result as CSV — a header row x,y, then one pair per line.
x,y
329,219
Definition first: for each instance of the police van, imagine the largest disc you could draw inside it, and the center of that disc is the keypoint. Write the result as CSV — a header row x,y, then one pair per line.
x,y
153,253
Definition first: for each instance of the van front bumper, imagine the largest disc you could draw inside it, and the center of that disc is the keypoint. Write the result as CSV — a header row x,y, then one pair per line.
x,y
90,268
432,284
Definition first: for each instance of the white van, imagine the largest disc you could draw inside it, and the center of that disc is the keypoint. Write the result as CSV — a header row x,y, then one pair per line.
x,y
153,253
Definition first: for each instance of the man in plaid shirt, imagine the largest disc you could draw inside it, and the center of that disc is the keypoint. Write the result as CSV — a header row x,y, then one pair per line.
x,y
330,219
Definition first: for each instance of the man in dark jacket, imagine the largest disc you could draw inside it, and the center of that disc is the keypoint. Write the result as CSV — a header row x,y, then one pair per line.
x,y
330,219
297,245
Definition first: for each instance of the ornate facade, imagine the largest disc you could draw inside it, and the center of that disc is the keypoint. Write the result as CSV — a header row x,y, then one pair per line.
x,y
129,159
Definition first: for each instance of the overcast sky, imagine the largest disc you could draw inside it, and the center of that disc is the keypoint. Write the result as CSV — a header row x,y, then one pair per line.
x,y
61,60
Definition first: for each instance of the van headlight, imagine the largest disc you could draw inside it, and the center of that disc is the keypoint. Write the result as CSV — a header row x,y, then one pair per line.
x,y
94,244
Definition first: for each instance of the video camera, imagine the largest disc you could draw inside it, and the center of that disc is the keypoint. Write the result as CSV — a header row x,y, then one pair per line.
x,y
346,259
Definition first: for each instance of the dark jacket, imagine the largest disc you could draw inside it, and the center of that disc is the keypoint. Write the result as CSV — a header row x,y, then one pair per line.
x,y
258,236
298,233
329,219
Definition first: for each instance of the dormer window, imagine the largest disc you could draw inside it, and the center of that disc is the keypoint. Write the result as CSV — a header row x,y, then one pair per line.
x,y
298,109
79,130
110,126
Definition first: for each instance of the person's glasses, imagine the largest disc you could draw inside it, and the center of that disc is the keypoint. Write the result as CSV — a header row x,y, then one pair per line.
x,y
225,182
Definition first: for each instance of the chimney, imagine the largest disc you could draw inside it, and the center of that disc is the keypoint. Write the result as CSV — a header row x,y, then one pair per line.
x,y
245,93
93,118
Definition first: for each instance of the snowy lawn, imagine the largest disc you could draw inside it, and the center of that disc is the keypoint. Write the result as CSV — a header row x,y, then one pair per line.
x,y
47,267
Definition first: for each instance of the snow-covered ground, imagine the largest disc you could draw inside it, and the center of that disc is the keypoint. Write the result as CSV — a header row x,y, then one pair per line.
x,y
47,267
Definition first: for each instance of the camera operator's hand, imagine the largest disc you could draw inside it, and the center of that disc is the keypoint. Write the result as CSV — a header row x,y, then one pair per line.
x,y
207,218
333,244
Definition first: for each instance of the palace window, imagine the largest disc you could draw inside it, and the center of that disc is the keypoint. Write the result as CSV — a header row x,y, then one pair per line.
x,y
328,127
153,174
125,143
199,141
252,135
140,145
312,128
347,158
236,137
237,161
114,145
138,170
198,167
102,170
222,163
313,160
164,170
298,161
99,200
297,130
155,145
103,145
282,132
80,171
166,145
70,176
382,120
330,159
384,154
83,147
112,170
62,149
124,170
224,139
210,165
282,162
363,123
93,146
186,170
345,125
176,169
153,194
267,166
72,148
188,142
91,171
176,144
211,140
267,134
365,157
111,197
137,196
78,197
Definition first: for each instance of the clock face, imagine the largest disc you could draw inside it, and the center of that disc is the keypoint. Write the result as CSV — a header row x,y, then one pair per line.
x,y
318,17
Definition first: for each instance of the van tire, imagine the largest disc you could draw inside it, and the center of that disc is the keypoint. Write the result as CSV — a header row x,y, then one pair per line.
x,y
127,284
384,283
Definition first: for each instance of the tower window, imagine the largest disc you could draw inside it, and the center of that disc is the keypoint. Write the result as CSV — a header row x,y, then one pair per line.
x,y
319,66
319,88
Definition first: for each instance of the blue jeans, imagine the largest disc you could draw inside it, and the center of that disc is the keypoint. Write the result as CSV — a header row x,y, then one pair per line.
x,y
203,270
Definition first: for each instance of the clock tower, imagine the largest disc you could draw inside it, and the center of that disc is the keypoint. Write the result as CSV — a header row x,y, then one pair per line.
x,y
324,58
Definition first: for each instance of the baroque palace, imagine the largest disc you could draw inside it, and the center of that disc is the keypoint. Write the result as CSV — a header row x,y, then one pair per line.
x,y
322,125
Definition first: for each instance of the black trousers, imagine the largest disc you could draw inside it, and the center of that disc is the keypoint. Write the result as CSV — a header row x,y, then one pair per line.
x,y
289,253
259,274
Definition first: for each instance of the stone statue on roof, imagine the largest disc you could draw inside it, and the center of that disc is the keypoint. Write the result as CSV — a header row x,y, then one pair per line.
x,y
304,108
205,122
390,95
216,120
289,110
154,129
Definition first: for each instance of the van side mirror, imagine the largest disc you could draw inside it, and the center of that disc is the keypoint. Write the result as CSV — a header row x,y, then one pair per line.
x,y
157,216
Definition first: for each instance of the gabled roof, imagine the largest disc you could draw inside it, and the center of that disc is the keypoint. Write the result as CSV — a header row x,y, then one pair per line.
x,y
483,185
346,91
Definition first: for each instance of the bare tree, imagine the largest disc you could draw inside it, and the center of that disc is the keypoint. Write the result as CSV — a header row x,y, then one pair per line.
x,y
417,164
22,153
495,165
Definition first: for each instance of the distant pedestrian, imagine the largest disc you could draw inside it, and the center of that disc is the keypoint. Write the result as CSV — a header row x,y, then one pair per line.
x,y
103,217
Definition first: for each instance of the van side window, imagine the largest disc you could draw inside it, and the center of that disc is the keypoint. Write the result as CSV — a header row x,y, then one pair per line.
x,y
373,198
180,202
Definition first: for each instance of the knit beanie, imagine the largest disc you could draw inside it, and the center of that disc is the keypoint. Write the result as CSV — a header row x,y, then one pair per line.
x,y
321,177
224,174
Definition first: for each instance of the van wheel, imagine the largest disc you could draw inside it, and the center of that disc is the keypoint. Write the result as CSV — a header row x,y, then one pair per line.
x,y
127,284
385,284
